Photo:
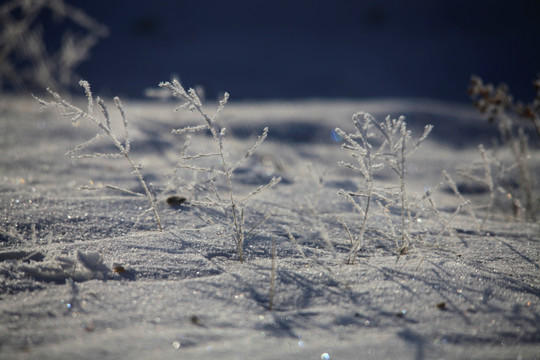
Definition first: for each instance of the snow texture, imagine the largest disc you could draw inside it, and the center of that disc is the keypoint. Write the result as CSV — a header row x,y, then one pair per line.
x,y
83,277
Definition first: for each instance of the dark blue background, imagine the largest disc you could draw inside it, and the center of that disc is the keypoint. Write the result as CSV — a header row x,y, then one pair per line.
x,y
303,49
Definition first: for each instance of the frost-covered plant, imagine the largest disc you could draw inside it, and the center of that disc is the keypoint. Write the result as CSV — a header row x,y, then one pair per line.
x,y
273,273
465,202
122,143
26,61
510,117
446,221
498,104
231,203
314,180
396,145
493,174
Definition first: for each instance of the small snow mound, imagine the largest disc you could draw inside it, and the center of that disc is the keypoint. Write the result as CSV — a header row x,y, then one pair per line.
x,y
82,266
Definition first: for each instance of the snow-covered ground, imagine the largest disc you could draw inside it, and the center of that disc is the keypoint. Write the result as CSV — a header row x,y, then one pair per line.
x,y
81,278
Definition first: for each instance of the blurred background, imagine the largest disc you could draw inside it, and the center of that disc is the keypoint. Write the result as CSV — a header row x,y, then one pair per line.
x,y
286,49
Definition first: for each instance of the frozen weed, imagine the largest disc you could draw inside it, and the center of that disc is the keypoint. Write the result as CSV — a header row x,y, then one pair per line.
x,y
310,207
493,174
452,184
511,118
231,204
446,221
273,276
396,145
22,44
104,125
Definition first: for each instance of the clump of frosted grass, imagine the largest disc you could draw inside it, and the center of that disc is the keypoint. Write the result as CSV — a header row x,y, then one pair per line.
x,y
396,145
492,173
121,142
27,60
512,119
230,203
